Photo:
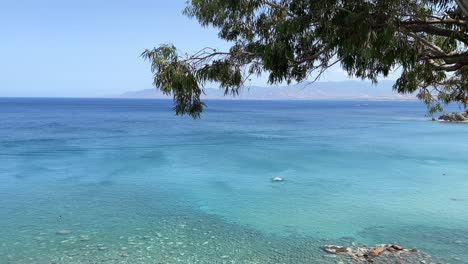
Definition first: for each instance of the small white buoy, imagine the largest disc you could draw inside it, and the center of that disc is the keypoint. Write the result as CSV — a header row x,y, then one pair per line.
x,y
277,179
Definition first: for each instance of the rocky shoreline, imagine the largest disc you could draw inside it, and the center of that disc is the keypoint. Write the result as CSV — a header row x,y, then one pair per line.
x,y
384,253
459,117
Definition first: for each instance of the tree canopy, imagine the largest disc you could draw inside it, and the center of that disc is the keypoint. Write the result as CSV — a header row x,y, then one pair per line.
x,y
296,40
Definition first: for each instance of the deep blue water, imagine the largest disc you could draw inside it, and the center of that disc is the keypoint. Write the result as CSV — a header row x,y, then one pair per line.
x,y
135,184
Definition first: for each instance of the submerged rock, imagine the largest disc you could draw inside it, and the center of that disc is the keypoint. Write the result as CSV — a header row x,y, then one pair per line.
x,y
84,238
454,117
63,232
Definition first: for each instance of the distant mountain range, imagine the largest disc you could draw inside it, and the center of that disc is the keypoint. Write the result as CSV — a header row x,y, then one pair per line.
x,y
302,91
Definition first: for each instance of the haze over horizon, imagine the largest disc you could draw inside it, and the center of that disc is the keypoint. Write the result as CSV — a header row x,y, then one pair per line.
x,y
302,91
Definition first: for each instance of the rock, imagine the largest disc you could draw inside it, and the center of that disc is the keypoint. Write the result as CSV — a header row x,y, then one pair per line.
x,y
384,253
374,252
396,247
277,179
333,249
454,117
63,232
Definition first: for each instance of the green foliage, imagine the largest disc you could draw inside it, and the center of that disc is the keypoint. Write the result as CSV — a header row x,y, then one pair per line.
x,y
293,40
176,77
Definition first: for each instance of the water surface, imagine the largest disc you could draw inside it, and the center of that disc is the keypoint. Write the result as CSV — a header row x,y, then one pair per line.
x,y
135,184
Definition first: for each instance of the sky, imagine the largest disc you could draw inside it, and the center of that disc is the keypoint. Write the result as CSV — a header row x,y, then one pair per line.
x,y
91,48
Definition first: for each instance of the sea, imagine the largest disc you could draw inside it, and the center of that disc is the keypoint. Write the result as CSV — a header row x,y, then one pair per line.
x,y
128,181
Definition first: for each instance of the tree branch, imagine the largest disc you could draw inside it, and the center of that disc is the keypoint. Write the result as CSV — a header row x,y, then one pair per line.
x,y
432,30
437,21
463,4
311,57
445,67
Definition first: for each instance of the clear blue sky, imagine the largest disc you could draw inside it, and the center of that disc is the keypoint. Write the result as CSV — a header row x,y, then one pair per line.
x,y
92,47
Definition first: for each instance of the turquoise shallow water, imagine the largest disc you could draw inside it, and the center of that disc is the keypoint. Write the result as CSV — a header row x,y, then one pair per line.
x,y
135,184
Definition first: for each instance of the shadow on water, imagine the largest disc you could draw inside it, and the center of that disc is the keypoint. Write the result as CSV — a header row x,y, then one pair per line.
x,y
221,185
